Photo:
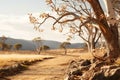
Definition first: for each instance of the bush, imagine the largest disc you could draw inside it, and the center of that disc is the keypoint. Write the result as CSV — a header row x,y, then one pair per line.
x,y
5,46
17,46
44,47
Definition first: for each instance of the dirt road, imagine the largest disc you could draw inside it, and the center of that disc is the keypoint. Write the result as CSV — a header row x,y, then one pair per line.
x,y
51,69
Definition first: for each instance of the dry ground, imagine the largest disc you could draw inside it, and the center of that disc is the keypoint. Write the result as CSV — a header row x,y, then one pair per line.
x,y
51,69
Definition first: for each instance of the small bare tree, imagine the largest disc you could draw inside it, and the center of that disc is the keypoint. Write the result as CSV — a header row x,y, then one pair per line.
x,y
64,45
3,45
38,44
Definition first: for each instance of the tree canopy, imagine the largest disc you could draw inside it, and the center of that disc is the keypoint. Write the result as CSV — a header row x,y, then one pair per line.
x,y
85,18
17,46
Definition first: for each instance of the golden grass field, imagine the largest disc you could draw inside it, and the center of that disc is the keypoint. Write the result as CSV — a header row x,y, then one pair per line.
x,y
51,69
8,58
11,58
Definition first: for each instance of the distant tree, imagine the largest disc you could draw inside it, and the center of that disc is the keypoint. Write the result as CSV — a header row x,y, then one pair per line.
x,y
3,45
17,46
9,46
44,47
64,46
3,39
38,44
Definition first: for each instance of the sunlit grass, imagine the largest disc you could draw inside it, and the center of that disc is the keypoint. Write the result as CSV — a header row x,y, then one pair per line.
x,y
10,59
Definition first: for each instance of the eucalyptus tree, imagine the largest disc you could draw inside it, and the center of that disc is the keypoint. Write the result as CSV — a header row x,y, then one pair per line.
x,y
89,14
64,46
38,44
17,46
3,45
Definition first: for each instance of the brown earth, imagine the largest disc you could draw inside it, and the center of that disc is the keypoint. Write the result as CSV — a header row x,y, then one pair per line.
x,y
51,69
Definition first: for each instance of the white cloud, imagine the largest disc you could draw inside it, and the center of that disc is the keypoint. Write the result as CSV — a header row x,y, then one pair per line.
x,y
18,26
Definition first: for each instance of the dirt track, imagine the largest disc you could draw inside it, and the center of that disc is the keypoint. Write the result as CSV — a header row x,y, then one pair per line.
x,y
51,69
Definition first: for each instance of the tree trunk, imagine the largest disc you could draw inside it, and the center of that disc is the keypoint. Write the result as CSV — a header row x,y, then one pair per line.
x,y
113,42
39,50
90,46
65,51
110,32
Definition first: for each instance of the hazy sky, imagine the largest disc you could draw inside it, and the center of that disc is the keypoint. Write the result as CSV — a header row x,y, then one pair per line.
x,y
21,6
14,20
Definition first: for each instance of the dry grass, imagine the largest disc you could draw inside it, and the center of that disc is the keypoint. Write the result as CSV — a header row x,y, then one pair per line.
x,y
69,51
83,54
10,59
52,66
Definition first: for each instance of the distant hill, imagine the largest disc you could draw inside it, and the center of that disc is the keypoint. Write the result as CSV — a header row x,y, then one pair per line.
x,y
26,44
77,45
29,45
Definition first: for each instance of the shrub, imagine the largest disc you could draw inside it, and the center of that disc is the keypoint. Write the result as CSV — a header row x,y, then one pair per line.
x,y
17,46
44,47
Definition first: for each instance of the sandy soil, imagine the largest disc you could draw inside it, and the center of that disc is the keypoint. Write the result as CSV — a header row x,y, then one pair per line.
x,y
51,69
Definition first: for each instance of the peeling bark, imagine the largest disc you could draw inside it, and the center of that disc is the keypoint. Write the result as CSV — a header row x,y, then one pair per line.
x,y
110,32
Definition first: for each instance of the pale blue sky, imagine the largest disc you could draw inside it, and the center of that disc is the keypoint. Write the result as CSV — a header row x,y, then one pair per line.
x,y
22,6
14,21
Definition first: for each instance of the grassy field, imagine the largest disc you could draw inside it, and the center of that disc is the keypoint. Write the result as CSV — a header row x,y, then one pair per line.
x,y
8,58
14,58
47,69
